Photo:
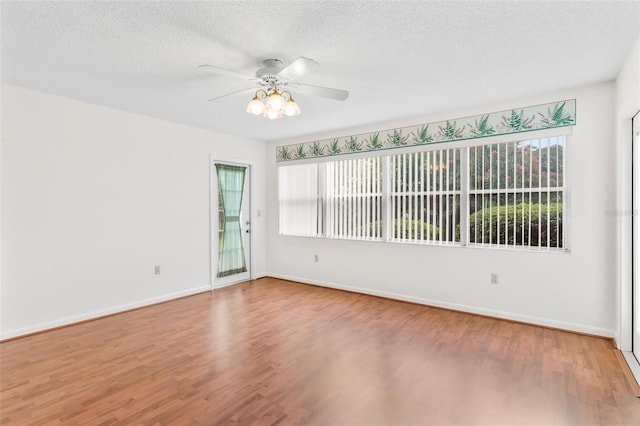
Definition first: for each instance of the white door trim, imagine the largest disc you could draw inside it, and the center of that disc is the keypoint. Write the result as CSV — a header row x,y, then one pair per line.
x,y
624,220
213,210
626,260
635,238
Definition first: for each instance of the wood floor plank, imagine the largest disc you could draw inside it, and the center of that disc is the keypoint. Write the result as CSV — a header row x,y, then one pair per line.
x,y
273,352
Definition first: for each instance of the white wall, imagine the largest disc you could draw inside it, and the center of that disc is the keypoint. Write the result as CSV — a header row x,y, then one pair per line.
x,y
93,198
574,291
627,105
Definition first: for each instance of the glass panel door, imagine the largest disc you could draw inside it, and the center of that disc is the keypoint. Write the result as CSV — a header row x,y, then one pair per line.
x,y
231,223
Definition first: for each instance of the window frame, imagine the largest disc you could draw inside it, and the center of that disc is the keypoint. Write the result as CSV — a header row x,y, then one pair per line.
x,y
465,192
524,192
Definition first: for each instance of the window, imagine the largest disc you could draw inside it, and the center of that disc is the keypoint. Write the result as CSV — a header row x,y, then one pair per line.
x,y
425,196
495,195
516,193
298,200
354,199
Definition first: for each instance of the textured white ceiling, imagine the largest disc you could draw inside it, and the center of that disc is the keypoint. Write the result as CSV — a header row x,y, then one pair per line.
x,y
398,59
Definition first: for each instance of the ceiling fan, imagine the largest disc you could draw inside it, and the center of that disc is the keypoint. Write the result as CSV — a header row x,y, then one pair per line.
x,y
274,83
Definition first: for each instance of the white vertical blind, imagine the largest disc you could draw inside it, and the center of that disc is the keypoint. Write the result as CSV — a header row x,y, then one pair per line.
x,y
516,194
425,197
354,196
298,200
507,194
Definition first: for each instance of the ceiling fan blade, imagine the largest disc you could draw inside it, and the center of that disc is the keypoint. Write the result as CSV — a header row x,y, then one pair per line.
x,y
298,68
239,92
325,92
224,72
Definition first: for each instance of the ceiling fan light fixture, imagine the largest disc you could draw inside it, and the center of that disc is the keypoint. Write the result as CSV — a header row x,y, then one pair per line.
x,y
256,106
272,114
272,104
268,100
291,108
275,101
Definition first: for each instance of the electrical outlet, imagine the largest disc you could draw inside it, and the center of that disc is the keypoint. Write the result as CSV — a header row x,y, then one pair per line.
x,y
316,258
494,278
157,270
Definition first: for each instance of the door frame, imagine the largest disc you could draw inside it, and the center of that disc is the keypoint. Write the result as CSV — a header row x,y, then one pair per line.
x,y
213,218
625,215
635,236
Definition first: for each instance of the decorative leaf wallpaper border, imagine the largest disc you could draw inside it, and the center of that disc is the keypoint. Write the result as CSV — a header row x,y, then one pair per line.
x,y
554,114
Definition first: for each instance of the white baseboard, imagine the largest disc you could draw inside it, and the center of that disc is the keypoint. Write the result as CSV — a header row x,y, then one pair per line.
x,y
216,287
100,313
616,340
579,328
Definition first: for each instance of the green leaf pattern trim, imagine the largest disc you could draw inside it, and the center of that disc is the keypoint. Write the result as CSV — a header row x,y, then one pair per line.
x,y
450,132
299,152
374,143
353,145
557,116
334,148
284,154
316,150
421,135
482,128
517,120
396,139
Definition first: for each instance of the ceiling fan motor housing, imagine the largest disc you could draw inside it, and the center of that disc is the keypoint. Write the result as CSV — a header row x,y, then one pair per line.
x,y
275,76
271,68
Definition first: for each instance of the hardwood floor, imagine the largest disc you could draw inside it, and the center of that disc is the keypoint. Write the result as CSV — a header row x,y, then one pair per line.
x,y
276,352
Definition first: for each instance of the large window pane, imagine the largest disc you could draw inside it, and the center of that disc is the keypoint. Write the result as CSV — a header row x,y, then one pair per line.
x,y
354,199
516,193
298,200
425,196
